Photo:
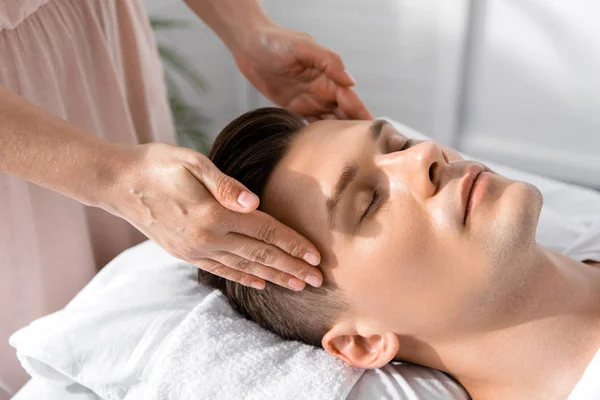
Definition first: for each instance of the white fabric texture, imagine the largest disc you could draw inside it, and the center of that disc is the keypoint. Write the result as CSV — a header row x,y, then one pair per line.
x,y
144,325
588,248
402,381
214,354
107,335
588,387
37,389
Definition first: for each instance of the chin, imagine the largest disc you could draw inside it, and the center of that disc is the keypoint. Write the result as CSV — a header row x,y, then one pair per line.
x,y
509,244
532,201
512,228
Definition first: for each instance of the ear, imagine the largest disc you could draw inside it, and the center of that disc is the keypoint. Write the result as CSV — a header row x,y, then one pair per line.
x,y
370,352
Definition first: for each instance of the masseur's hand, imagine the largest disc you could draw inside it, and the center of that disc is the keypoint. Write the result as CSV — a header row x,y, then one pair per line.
x,y
297,73
181,201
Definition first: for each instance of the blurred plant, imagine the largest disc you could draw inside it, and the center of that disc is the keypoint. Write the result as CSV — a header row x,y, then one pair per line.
x,y
189,121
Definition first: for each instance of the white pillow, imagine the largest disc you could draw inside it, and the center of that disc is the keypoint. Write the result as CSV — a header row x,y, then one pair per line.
x,y
107,337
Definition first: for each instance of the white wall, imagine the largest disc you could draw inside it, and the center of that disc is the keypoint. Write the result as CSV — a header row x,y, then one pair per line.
x,y
405,55
533,94
514,81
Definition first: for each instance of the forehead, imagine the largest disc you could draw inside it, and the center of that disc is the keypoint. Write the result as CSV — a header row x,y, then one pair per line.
x,y
299,186
320,152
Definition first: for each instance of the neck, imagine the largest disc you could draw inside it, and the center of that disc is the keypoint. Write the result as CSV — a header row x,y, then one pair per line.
x,y
544,348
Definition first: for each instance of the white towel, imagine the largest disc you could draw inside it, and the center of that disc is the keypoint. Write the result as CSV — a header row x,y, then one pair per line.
x,y
213,354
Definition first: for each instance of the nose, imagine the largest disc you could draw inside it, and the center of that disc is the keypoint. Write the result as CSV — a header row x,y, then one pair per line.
x,y
416,167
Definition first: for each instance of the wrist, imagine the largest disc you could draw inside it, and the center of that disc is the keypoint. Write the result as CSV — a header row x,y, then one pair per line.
x,y
113,163
242,38
237,23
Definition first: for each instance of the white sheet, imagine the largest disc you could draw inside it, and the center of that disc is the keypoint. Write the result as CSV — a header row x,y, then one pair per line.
x,y
588,387
36,389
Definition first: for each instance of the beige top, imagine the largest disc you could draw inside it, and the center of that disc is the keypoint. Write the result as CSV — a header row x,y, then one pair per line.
x,y
95,64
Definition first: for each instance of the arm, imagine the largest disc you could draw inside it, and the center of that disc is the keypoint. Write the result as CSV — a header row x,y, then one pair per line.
x,y
175,196
288,67
231,20
46,150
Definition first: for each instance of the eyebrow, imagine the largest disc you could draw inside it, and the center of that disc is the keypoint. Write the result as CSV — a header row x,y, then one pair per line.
x,y
349,173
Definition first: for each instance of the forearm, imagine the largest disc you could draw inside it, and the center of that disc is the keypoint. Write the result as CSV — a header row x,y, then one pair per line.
x,y
46,150
231,20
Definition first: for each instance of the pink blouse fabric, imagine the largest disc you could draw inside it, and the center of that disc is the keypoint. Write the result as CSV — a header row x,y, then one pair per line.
x,y
95,64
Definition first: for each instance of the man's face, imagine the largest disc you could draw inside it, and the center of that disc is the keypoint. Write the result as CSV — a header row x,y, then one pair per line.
x,y
388,216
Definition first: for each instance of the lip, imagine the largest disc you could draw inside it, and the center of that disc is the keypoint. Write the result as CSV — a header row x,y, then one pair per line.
x,y
473,172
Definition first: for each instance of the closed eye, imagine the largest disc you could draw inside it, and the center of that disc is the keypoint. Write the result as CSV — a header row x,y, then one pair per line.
x,y
377,195
409,143
375,202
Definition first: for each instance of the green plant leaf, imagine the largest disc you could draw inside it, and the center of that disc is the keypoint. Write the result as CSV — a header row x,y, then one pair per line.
x,y
165,23
189,121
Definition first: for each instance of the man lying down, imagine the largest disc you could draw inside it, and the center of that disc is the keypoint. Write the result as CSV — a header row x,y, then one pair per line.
x,y
427,258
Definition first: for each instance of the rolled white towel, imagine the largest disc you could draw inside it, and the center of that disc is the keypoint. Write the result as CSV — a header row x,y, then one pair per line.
x,y
217,354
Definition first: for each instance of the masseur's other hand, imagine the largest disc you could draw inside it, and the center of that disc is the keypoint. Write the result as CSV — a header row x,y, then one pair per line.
x,y
297,73
181,201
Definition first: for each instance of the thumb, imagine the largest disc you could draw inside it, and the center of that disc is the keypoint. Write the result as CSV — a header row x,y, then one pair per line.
x,y
230,193
326,60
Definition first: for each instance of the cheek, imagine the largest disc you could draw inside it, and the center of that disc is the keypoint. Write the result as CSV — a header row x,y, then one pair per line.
x,y
452,154
409,277
387,275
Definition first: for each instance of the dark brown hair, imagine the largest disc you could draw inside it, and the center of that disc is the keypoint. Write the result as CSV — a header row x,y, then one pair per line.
x,y
249,149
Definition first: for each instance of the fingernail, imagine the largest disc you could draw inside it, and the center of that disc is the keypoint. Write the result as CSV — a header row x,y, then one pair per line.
x,y
313,281
258,285
349,75
296,284
247,200
311,259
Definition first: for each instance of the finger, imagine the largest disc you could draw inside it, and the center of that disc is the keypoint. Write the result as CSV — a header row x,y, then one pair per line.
x,y
309,52
232,274
351,104
254,270
271,256
226,190
310,106
261,226
328,116
340,114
